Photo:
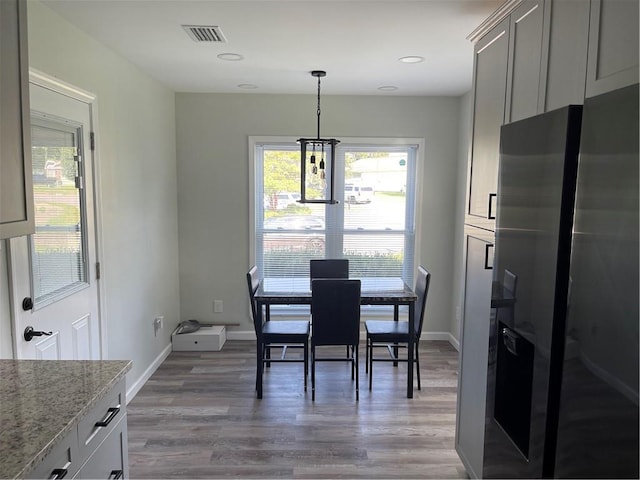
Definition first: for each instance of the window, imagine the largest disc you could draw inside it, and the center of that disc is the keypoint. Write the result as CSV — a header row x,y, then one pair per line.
x,y
373,225
58,247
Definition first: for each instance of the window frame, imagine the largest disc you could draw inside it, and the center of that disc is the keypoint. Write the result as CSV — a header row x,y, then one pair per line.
x,y
346,144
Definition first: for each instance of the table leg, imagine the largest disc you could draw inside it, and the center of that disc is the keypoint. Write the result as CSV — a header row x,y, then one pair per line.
x,y
410,351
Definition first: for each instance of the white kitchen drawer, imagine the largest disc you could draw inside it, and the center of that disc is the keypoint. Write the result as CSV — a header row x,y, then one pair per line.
x,y
107,461
101,419
64,459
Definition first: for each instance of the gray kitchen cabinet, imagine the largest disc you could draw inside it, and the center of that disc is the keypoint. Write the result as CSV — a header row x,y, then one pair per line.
x,y
108,460
508,86
524,67
566,53
96,447
613,46
62,461
474,351
102,437
531,56
16,188
490,83
75,429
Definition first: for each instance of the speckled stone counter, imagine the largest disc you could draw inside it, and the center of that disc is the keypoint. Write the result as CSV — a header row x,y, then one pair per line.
x,y
42,400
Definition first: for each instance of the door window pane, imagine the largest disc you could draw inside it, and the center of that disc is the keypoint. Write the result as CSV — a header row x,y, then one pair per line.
x,y
57,248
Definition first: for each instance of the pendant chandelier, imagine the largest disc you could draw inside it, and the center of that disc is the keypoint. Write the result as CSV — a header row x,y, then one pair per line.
x,y
316,163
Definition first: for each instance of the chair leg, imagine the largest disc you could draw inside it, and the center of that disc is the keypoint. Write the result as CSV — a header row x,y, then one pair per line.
x,y
259,368
306,364
366,355
370,363
355,350
395,354
352,365
417,364
313,372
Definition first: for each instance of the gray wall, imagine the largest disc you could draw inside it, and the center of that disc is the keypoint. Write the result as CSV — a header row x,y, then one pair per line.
x,y
213,186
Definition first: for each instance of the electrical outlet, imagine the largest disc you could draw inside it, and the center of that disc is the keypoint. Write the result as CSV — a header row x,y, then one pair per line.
x,y
217,306
158,324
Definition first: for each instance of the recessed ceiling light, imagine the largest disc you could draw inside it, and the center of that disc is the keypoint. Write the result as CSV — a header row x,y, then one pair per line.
x,y
231,57
247,86
388,88
411,59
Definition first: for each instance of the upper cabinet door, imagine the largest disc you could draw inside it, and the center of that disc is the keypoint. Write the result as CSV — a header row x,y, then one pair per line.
x,y
525,52
490,82
567,54
16,191
613,46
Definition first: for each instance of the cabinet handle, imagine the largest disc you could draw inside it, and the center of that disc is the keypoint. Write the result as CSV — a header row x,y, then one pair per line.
x,y
488,266
58,473
111,414
115,474
490,215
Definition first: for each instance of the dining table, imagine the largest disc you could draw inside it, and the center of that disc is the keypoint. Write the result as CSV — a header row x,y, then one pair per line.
x,y
373,291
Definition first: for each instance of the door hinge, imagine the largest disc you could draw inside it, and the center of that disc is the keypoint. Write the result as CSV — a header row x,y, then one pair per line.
x,y
98,270
92,141
79,180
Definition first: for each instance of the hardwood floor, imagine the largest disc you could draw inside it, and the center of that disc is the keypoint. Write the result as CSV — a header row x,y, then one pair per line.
x,y
197,417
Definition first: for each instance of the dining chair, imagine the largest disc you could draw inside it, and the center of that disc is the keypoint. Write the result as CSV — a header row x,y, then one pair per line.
x,y
329,268
336,321
393,335
276,334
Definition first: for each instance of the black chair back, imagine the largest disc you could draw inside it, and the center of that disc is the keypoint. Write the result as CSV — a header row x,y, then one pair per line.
x,y
422,289
252,283
329,268
336,311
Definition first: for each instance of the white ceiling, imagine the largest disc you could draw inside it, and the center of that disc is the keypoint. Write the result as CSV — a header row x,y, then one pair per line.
x,y
357,42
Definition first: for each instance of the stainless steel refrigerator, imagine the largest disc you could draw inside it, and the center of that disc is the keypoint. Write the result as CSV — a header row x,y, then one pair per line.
x,y
562,387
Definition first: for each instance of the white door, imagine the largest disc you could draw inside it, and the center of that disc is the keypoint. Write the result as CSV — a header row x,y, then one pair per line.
x,y
53,272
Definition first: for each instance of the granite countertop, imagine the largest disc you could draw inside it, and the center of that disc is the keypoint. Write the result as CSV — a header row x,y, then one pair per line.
x,y
42,400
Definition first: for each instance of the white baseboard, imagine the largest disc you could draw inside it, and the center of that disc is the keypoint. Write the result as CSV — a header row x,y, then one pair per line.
x,y
135,387
241,335
454,342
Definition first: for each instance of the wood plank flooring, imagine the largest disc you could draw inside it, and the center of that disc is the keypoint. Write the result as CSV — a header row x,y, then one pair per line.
x,y
198,417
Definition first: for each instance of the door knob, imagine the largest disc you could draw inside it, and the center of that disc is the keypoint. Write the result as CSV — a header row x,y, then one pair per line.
x,y
27,304
29,333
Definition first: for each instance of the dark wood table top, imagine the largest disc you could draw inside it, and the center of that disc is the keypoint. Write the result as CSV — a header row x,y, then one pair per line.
x,y
297,290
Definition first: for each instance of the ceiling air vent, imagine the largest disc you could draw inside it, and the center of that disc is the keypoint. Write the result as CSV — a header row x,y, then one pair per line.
x,y
204,33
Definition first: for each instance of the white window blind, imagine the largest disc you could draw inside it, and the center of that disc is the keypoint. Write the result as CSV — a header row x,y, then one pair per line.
x,y
373,225
57,249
